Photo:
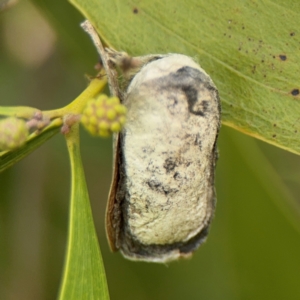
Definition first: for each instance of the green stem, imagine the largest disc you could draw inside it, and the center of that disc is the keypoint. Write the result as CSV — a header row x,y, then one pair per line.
x,y
25,112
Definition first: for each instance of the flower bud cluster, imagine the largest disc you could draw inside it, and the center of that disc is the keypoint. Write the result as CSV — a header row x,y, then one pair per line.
x,y
13,133
103,116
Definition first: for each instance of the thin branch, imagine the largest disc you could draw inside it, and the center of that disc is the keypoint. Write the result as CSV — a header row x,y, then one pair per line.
x,y
111,76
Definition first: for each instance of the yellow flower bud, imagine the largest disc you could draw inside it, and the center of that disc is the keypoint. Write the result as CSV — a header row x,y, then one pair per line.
x,y
103,116
13,133
111,114
115,127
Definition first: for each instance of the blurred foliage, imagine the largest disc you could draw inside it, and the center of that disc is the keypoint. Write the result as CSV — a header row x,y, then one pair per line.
x,y
253,248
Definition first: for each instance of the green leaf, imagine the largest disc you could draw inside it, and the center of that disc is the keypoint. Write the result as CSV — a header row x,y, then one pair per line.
x,y
250,49
84,274
9,158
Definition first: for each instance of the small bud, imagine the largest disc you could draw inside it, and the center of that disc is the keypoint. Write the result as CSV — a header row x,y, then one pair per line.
x,y
115,127
13,133
111,114
100,112
38,121
104,133
103,116
68,121
103,125
121,109
92,129
93,120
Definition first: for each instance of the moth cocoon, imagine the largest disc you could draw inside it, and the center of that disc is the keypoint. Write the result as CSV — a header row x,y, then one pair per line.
x,y
162,198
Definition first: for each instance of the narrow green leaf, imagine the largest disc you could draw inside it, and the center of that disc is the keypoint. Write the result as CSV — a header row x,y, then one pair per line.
x,y
9,158
250,49
84,274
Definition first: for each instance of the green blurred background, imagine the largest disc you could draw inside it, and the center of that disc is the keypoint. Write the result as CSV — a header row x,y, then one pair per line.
x,y
253,250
